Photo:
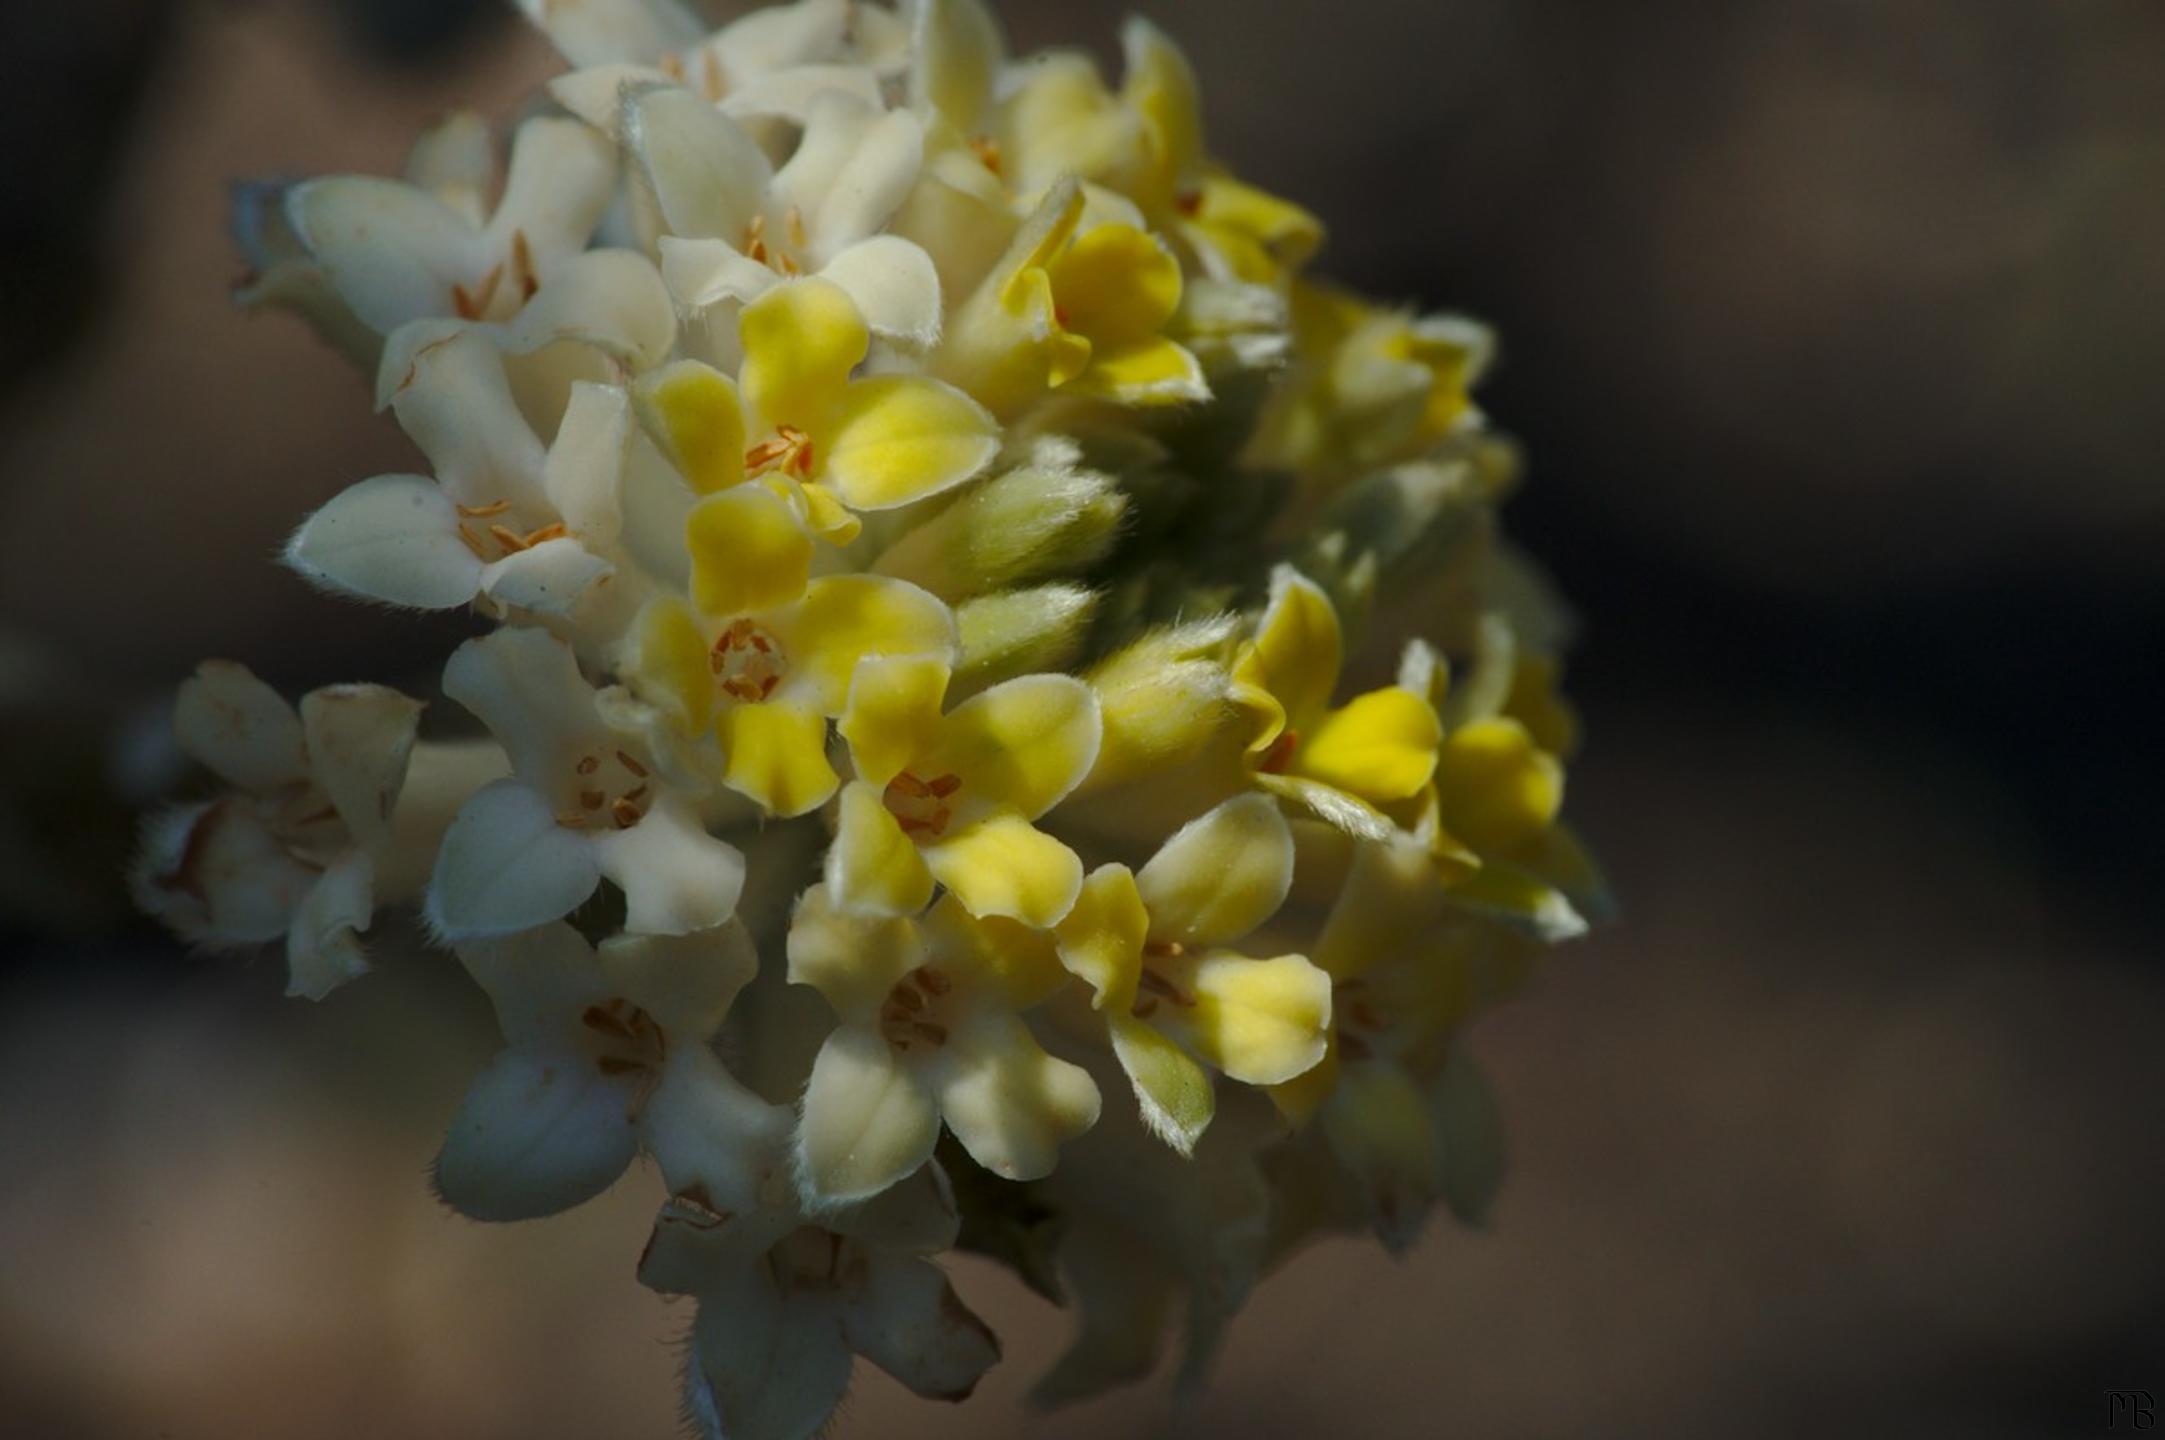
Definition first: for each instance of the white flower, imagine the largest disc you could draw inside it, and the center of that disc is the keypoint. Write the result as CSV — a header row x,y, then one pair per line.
x,y
581,804
392,251
929,1031
607,1051
319,829
529,527
786,1301
735,225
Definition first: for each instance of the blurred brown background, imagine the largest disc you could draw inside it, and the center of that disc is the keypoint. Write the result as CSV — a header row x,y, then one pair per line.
x,y
1833,331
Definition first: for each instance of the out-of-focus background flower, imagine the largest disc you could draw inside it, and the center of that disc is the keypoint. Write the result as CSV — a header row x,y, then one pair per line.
x,y
1834,332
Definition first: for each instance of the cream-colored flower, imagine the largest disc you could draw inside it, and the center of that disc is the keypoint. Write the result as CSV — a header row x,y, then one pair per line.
x,y
951,798
581,804
928,1031
329,810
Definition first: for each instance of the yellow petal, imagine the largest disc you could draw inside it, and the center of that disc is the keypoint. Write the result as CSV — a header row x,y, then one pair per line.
x,y
1262,235
891,715
1101,940
1004,865
1161,86
852,960
1294,658
1498,791
749,552
829,518
1144,372
1176,1095
1000,956
776,753
801,340
1305,1094
1381,747
899,438
1262,1022
669,667
1022,745
1220,875
1008,1102
690,411
847,618
872,867
1116,285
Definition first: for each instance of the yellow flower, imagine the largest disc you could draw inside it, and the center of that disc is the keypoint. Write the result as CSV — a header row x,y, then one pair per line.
x,y
1081,311
1395,1101
929,1031
1343,762
1372,386
952,797
1153,947
804,427
1146,142
1490,816
762,657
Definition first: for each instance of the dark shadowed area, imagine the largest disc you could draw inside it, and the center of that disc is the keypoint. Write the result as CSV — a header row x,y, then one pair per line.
x,y
1833,333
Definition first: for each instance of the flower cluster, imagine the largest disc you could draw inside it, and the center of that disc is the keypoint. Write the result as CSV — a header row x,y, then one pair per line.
x,y
945,780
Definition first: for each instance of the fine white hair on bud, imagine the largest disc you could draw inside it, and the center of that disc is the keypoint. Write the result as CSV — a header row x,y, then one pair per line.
x,y
939,553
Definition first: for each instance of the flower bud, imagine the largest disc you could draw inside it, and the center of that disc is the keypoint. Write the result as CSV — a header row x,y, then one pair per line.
x,y
1033,523
1017,632
1162,699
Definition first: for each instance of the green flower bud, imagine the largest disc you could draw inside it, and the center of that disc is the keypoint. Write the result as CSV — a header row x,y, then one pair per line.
x,y
1018,632
1033,523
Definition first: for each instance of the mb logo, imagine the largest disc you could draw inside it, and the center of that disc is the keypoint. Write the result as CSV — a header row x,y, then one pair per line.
x,y
2130,1410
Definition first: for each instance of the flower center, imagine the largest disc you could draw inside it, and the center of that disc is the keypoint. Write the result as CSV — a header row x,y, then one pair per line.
x,y
1279,756
920,806
748,662
629,1041
474,304
1153,988
1358,1021
610,788
771,253
506,540
789,451
906,1017
987,151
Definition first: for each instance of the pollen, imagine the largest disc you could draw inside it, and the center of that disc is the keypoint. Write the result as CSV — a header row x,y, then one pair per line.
x,y
748,662
920,806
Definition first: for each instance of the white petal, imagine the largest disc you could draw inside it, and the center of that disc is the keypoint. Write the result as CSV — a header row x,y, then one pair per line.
x,y
360,738
675,876
701,272
242,729
455,161
788,95
686,982
777,37
215,876
1221,875
916,1214
390,251
538,1134
704,171
764,1366
868,1120
506,866
445,382
395,539
561,178
584,473
595,93
866,192
713,1138
526,687
609,300
835,125
323,947
593,32
547,579
539,982
894,284
904,1317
